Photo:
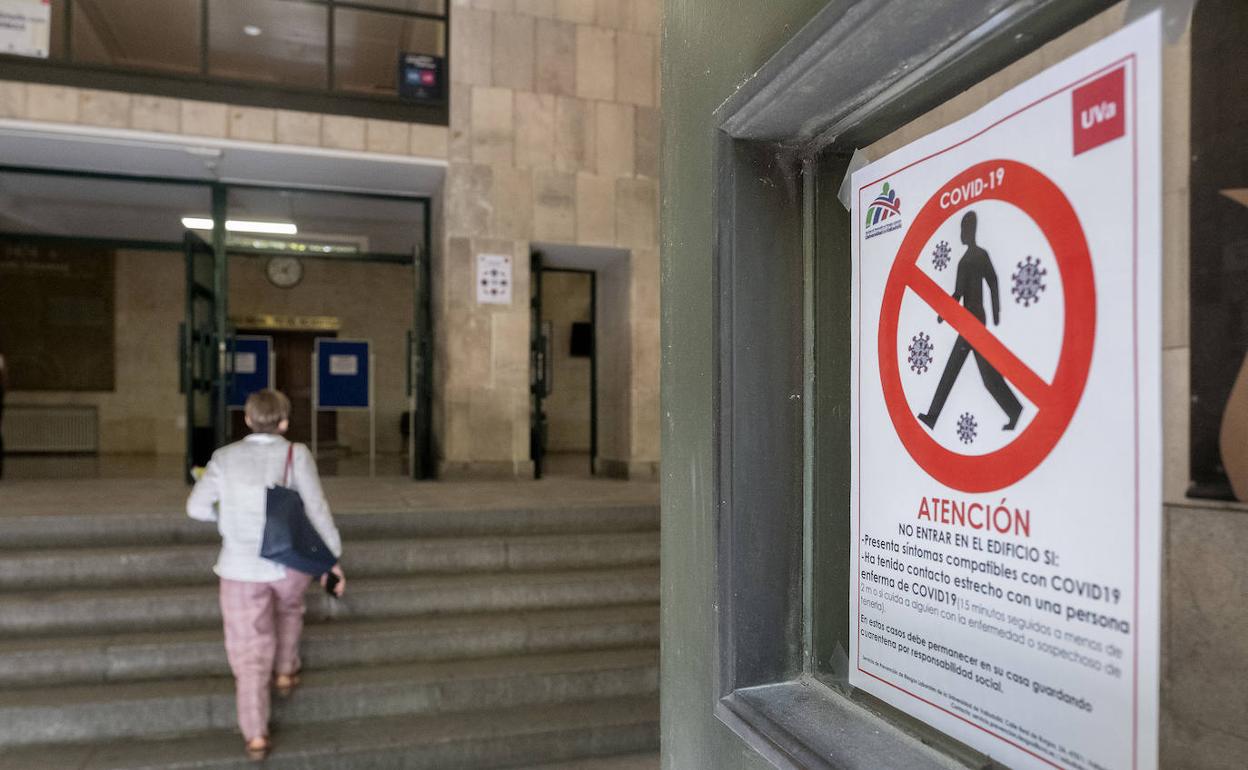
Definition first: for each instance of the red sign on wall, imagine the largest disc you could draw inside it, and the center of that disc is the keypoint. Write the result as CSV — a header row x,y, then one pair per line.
x,y
1099,111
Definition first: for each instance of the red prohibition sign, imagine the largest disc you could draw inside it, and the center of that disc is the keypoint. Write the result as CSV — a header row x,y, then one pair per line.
x,y
1042,200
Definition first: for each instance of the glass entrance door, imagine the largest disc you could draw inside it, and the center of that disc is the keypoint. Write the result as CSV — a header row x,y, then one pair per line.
x,y
203,376
539,368
420,372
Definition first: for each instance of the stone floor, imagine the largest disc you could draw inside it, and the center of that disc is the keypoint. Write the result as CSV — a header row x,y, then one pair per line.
x,y
151,485
54,467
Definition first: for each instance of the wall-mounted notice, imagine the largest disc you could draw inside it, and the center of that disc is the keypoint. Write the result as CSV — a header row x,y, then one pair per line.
x,y
342,374
344,366
25,27
249,368
421,77
1006,418
494,279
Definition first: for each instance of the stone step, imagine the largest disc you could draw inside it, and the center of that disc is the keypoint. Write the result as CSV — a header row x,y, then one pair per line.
x,y
483,740
99,530
40,662
648,761
189,564
150,709
172,608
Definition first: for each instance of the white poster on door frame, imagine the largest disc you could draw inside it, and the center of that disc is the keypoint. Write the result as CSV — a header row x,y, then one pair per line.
x,y
1005,418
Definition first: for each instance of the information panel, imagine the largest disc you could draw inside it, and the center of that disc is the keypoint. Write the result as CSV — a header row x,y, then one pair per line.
x,y
1006,418
342,374
250,368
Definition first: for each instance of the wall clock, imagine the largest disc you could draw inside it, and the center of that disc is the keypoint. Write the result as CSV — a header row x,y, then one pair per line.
x,y
284,272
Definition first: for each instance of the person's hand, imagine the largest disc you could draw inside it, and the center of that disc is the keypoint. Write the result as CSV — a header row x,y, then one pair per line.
x,y
342,580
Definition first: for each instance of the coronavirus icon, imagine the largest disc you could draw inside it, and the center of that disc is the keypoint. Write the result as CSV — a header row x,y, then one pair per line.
x,y
968,429
920,353
940,255
1028,281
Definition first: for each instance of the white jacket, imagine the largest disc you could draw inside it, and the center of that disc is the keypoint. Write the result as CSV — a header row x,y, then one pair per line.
x,y
232,493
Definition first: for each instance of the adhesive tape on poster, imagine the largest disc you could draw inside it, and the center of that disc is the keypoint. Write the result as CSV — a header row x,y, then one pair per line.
x,y
856,161
1175,15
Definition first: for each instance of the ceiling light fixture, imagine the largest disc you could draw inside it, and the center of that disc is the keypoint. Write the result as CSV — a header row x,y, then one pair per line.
x,y
242,226
251,30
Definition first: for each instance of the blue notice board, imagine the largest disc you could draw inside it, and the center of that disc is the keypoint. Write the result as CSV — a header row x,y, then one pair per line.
x,y
342,372
250,368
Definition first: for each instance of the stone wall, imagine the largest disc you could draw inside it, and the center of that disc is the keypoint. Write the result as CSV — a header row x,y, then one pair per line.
x,y
114,109
145,413
554,138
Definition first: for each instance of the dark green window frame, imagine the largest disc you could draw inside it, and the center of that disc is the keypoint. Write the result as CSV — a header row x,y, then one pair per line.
x,y
203,86
782,346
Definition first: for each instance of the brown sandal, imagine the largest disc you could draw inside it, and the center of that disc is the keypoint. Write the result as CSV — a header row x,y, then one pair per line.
x,y
257,749
286,684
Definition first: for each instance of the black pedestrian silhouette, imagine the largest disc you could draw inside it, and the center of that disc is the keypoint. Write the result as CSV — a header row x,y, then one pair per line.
x,y
974,269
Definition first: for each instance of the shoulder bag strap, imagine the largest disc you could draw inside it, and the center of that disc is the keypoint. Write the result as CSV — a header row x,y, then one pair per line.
x,y
290,456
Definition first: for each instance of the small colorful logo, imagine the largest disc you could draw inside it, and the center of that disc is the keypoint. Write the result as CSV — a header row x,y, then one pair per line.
x,y
884,213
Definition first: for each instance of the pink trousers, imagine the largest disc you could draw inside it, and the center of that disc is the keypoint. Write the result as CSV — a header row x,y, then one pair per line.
x,y
263,622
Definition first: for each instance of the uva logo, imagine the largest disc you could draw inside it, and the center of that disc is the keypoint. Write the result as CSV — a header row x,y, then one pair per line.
x,y
1099,111
884,213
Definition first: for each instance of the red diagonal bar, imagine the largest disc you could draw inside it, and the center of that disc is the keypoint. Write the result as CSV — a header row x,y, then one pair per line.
x,y
983,341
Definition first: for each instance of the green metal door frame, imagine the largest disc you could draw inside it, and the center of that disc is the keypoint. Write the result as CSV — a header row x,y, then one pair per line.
x,y
421,463
221,312
766,107
199,364
539,361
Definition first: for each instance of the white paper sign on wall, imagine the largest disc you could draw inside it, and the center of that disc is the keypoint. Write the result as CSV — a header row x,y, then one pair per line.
x,y
344,365
25,27
244,363
494,279
1005,418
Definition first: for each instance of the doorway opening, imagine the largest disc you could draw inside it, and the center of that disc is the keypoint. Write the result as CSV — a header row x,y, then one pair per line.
x,y
292,375
580,359
157,277
565,392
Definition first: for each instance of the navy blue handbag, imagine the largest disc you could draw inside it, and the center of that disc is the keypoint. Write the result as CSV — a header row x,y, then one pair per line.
x,y
289,538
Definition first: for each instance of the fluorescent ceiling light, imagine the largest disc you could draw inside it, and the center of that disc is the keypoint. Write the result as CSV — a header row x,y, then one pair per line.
x,y
242,226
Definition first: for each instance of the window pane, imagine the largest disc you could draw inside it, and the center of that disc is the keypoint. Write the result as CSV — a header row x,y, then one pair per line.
x,y
1219,249
147,34
273,41
367,45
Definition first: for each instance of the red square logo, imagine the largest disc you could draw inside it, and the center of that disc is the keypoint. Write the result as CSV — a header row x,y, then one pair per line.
x,y
1100,112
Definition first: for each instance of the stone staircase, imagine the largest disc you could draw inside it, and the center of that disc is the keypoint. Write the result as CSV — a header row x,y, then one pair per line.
x,y
467,639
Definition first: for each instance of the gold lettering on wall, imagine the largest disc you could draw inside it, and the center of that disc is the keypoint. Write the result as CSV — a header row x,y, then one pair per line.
x,y
317,323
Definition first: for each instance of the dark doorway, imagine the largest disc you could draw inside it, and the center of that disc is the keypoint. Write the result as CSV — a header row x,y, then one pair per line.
x,y
292,353
564,431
